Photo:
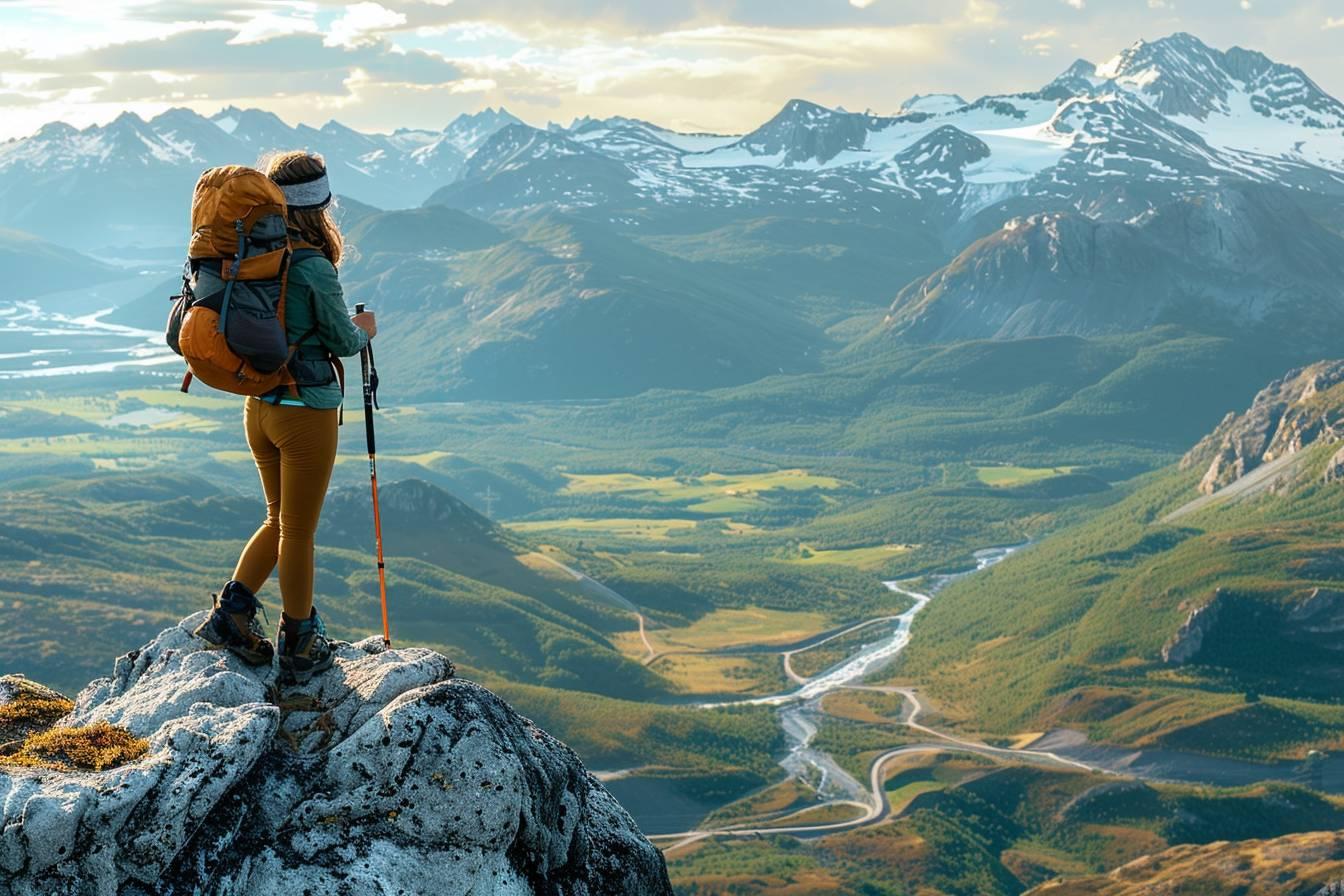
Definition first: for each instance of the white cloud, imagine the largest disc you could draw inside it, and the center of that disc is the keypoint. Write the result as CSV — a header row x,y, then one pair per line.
x,y
474,85
981,12
694,63
267,24
836,46
361,25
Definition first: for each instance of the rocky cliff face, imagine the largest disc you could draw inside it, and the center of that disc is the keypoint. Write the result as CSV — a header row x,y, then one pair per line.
x,y
1312,621
1288,415
1186,642
386,775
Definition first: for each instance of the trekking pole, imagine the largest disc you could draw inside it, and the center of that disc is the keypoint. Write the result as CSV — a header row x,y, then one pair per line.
x,y
370,375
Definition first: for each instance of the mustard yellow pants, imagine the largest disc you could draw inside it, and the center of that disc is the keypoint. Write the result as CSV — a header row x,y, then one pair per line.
x,y
295,449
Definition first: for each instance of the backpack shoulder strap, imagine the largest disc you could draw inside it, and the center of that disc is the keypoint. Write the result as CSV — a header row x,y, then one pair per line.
x,y
301,249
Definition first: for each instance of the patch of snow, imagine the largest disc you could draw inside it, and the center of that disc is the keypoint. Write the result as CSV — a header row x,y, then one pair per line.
x,y
695,142
1243,129
738,156
1018,153
933,103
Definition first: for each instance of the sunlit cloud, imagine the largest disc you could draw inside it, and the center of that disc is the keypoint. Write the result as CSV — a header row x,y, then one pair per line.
x,y
705,64
362,24
267,24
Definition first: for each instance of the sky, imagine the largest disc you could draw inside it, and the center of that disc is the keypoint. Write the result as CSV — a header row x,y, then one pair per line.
x,y
700,65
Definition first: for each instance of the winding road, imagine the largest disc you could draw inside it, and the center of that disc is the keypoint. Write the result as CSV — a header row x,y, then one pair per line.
x,y
848,675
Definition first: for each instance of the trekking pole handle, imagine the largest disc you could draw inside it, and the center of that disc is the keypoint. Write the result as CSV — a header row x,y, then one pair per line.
x,y
359,307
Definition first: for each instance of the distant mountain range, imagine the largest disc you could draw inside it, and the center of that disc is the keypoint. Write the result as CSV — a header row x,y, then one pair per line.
x,y
1161,116
128,179
1173,183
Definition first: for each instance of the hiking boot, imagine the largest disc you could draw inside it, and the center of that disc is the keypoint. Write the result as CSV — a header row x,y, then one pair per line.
x,y
232,625
304,648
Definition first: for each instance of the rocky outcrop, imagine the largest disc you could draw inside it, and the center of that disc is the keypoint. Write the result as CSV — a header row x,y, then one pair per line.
x,y
1285,417
1314,620
1334,469
1183,646
1317,619
385,775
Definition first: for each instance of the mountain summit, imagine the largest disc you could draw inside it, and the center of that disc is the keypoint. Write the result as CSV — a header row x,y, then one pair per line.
x,y
384,775
1181,75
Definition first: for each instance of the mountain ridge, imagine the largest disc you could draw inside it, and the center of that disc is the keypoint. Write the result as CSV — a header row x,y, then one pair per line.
x,y
1171,114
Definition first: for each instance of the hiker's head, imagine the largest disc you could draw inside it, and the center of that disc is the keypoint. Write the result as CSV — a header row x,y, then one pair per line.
x,y
315,225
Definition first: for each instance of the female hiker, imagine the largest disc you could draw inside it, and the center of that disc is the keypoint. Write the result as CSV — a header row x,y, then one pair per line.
x,y
293,440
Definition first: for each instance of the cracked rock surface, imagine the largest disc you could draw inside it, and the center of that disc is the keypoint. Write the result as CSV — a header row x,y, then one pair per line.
x,y
385,775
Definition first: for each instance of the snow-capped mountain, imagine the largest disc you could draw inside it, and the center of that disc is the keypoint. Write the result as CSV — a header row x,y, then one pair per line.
x,y
1160,119
468,132
130,176
1173,183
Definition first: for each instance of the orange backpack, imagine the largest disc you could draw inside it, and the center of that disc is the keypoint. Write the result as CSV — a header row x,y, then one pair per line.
x,y
229,321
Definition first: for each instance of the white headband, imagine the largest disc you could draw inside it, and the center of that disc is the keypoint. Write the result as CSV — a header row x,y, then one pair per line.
x,y
309,195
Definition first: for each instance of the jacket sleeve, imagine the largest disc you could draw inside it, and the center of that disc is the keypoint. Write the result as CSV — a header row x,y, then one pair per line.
x,y
330,317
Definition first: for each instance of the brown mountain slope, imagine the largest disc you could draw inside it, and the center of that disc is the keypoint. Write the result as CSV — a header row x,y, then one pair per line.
x,y
1296,865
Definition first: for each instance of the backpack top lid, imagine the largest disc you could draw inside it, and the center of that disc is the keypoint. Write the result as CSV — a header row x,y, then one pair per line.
x,y
223,196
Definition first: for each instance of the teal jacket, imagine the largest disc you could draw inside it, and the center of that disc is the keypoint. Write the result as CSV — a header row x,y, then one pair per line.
x,y
317,320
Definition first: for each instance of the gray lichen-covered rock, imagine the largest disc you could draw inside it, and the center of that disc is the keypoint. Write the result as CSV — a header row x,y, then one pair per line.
x,y
385,775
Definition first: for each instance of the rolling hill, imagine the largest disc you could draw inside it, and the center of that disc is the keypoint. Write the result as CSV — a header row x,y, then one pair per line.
x,y
30,267
555,306
96,561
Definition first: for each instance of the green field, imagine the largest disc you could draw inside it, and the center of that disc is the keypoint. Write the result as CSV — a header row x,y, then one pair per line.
x,y
733,627
863,558
1007,476
658,529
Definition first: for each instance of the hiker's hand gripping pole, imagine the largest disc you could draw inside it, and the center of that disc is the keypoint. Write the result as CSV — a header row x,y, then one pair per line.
x,y
369,374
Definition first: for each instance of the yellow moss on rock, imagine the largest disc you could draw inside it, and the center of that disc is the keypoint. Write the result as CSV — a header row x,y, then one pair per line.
x,y
29,709
88,747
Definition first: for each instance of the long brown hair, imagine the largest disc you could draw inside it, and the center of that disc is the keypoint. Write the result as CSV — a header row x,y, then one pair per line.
x,y
316,226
